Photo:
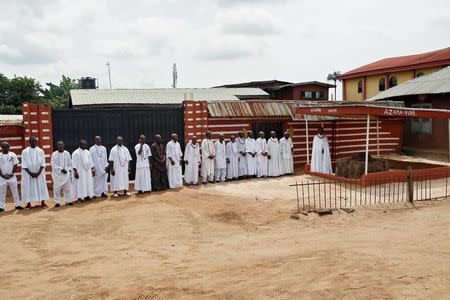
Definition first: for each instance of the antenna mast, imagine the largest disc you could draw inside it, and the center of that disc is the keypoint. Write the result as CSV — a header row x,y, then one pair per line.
x,y
109,74
174,75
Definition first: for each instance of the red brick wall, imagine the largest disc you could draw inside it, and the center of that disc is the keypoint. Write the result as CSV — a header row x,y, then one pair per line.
x,y
195,119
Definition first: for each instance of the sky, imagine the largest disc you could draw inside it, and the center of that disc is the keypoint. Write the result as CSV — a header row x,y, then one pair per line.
x,y
213,42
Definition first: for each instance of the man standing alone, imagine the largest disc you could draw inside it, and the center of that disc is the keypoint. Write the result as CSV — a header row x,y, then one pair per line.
x,y
208,154
61,175
119,158
8,167
142,180
33,182
101,167
220,160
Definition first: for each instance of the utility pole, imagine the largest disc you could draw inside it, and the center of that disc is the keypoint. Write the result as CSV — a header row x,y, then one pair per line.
x,y
109,74
174,75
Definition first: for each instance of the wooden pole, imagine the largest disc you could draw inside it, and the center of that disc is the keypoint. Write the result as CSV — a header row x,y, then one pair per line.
x,y
410,185
307,140
378,138
366,165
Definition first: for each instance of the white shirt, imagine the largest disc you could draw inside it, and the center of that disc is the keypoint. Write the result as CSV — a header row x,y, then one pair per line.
x,y
7,162
142,159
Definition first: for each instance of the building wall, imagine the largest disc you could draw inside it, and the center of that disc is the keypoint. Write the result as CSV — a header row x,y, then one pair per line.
x,y
295,92
370,83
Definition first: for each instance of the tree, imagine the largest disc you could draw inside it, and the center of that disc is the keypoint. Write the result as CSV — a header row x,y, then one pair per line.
x,y
59,95
17,90
334,77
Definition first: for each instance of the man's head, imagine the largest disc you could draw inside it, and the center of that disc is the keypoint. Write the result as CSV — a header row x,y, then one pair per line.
x,y
83,144
142,139
273,134
241,134
32,141
221,137
5,147
119,140
98,140
174,137
208,134
320,130
194,139
261,134
250,134
286,135
158,139
232,138
60,146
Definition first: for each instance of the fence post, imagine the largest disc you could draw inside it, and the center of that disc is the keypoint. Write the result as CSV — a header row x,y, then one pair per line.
x,y
410,185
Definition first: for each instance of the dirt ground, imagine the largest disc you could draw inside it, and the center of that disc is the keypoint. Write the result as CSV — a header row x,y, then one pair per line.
x,y
229,241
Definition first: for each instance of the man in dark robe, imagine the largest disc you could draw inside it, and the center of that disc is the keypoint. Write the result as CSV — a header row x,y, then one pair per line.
x,y
160,180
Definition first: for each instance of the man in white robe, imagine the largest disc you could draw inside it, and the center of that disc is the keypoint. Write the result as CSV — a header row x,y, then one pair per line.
x,y
273,148
83,173
142,179
287,151
242,155
33,182
192,160
232,155
250,147
220,160
119,159
261,156
320,158
101,167
8,167
208,154
174,158
61,163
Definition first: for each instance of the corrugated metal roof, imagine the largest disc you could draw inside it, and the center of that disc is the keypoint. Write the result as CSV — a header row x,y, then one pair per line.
x,y
249,109
11,120
159,96
434,83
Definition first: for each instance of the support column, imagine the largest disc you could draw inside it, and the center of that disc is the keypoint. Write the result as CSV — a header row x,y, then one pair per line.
x,y
378,138
366,165
307,140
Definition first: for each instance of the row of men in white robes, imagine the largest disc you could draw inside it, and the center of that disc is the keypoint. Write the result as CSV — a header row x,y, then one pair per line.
x,y
241,157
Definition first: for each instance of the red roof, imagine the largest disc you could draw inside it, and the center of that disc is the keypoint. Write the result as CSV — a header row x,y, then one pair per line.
x,y
402,63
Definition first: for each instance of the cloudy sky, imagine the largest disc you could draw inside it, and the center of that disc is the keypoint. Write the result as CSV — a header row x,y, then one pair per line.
x,y
213,42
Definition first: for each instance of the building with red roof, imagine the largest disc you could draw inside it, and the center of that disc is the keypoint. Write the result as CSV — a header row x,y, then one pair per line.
x,y
367,81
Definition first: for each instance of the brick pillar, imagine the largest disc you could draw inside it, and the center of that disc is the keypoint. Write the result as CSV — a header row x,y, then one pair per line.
x,y
37,120
195,119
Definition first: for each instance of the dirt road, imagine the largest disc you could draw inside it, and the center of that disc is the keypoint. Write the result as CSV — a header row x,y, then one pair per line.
x,y
228,241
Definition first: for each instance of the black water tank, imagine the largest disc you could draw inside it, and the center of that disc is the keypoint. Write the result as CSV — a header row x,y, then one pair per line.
x,y
88,83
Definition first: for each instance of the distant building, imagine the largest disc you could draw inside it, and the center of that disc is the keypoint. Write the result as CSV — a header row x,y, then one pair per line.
x,y
367,81
284,90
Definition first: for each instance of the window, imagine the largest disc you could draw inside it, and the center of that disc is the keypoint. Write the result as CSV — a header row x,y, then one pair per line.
x,y
419,74
320,95
360,86
306,95
392,81
382,84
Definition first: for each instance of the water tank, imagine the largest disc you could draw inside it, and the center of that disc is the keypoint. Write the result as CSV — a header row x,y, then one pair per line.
x,y
88,83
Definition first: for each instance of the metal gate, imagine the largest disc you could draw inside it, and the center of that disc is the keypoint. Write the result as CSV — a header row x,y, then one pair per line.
x,y
72,125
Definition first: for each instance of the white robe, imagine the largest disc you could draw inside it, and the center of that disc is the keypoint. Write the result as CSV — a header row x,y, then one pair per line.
x,y
273,147
121,158
7,163
207,163
261,160
232,154
220,161
82,162
62,182
100,159
142,179
192,156
287,161
250,147
174,172
320,158
33,189
242,158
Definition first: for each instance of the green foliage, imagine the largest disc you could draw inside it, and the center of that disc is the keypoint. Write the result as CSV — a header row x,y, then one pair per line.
x,y
17,90
334,77
59,95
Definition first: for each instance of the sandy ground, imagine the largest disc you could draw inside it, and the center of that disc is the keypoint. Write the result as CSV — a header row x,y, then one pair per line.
x,y
229,241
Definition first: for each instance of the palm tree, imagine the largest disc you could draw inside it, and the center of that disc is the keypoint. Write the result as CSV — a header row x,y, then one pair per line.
x,y
334,77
